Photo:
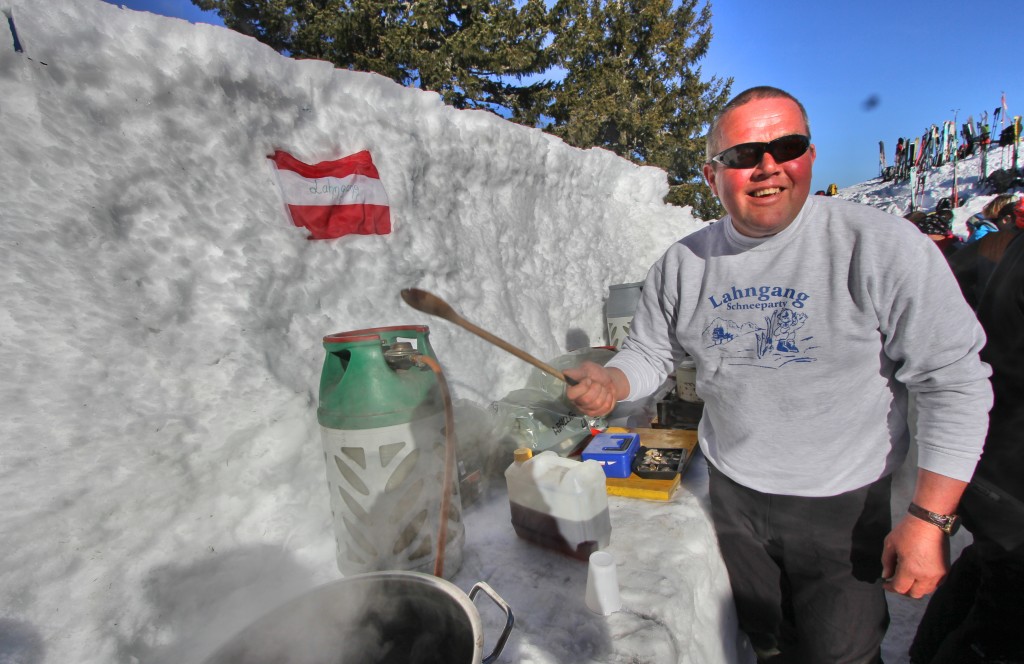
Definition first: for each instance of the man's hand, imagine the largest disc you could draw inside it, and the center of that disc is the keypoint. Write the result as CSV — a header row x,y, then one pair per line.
x,y
915,558
598,388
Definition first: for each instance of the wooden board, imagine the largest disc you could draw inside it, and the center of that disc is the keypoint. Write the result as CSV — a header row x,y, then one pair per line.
x,y
638,487
635,486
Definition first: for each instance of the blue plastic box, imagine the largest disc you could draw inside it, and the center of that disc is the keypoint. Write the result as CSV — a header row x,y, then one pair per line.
x,y
614,451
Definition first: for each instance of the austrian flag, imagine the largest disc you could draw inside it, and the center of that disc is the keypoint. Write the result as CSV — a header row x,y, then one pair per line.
x,y
334,198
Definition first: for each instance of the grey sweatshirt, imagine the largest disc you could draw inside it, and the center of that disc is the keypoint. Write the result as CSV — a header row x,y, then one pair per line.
x,y
806,345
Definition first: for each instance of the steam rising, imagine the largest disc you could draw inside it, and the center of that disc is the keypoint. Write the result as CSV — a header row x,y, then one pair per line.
x,y
374,619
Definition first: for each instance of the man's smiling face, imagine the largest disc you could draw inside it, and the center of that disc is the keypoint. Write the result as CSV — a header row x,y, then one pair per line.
x,y
765,199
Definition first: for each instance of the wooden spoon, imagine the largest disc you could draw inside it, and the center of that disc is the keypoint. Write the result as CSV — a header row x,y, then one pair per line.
x,y
431,304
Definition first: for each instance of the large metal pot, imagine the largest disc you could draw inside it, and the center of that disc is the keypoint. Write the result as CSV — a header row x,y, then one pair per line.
x,y
375,618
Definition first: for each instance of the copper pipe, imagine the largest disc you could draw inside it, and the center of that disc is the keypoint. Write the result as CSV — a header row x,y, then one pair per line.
x,y
449,460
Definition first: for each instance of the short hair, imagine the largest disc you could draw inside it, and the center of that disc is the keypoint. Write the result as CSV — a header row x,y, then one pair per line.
x,y
748,95
1008,214
994,208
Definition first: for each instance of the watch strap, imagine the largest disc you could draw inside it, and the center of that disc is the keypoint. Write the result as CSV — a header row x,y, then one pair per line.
x,y
947,523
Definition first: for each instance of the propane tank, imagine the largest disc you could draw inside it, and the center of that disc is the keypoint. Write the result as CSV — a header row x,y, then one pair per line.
x,y
382,427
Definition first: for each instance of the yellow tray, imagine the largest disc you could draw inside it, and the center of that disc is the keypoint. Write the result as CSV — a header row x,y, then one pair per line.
x,y
635,486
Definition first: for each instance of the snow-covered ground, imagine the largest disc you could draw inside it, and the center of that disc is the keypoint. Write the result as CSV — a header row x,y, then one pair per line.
x,y
895,197
161,475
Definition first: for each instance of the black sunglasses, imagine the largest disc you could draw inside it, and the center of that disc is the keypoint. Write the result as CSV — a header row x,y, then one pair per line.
x,y
749,155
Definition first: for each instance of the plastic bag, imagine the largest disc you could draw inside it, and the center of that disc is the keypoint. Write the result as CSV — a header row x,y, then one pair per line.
x,y
531,418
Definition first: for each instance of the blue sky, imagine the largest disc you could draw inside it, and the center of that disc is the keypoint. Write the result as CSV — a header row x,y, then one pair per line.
x,y
920,59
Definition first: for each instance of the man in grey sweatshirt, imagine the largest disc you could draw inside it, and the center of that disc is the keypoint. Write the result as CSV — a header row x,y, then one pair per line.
x,y
811,321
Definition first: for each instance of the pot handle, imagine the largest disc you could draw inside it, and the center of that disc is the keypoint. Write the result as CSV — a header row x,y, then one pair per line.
x,y
510,619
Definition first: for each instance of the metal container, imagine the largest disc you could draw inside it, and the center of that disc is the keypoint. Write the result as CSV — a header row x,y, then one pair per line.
x,y
686,381
382,429
376,618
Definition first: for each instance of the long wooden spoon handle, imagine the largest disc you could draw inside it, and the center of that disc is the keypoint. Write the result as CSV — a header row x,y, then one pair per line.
x,y
521,354
431,304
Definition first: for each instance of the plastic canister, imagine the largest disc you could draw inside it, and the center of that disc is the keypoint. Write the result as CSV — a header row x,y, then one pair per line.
x,y
559,503
619,310
614,451
686,381
382,429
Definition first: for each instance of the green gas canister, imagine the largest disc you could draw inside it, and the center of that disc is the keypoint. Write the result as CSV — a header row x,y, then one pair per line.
x,y
382,427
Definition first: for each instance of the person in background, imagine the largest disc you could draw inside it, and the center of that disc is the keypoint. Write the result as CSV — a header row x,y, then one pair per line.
x,y
977,614
996,207
978,227
811,321
973,264
939,229
990,219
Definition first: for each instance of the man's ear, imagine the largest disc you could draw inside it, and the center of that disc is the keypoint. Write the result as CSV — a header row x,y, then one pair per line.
x,y
709,176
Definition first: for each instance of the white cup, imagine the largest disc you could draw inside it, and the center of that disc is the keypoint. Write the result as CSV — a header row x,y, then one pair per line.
x,y
602,584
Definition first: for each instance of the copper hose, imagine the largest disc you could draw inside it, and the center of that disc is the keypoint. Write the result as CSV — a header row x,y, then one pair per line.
x,y
449,460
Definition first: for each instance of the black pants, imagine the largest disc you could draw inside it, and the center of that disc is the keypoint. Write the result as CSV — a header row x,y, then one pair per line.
x,y
977,614
806,572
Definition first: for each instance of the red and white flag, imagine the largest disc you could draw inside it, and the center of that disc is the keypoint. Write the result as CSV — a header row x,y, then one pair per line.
x,y
334,198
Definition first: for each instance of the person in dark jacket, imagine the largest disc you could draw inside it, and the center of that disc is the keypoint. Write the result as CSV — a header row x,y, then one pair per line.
x,y
974,263
988,220
977,614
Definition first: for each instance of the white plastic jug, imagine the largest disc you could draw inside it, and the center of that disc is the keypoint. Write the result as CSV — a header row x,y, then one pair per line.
x,y
559,503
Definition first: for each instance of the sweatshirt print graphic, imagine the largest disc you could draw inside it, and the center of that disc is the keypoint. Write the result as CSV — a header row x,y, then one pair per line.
x,y
760,325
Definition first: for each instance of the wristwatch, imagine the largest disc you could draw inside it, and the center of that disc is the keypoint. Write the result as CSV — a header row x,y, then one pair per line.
x,y
947,523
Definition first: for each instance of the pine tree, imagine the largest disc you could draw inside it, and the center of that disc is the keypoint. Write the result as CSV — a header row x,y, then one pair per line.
x,y
472,52
631,83
632,86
